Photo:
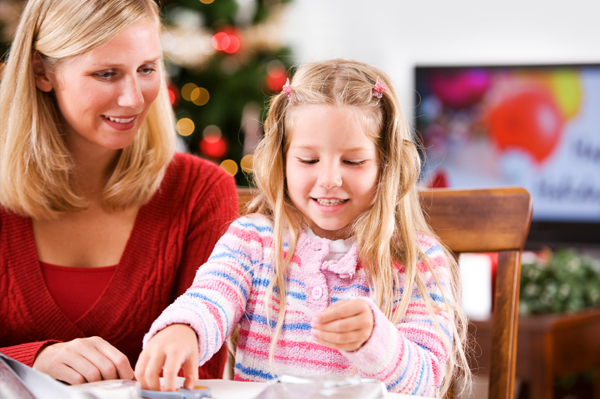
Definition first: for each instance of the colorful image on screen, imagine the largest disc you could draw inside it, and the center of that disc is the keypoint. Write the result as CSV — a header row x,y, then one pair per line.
x,y
534,127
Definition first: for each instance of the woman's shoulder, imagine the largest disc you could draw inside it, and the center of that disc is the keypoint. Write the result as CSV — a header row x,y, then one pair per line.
x,y
192,164
190,173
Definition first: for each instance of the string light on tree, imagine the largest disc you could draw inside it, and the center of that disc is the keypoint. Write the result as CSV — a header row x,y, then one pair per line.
x,y
246,163
186,91
228,40
276,75
173,93
230,166
212,143
199,96
185,126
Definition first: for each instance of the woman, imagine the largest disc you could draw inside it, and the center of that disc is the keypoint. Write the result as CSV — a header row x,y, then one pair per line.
x,y
101,224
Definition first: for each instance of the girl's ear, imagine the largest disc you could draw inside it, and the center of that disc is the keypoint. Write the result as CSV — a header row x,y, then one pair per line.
x,y
42,78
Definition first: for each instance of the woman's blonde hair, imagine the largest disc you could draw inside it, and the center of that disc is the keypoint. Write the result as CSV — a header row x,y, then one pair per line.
x,y
387,233
36,168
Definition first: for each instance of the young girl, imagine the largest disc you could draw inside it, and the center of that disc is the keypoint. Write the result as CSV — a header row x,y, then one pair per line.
x,y
336,229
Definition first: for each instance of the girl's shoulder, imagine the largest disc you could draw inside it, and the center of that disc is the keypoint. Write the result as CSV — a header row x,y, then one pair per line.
x,y
253,222
428,243
433,251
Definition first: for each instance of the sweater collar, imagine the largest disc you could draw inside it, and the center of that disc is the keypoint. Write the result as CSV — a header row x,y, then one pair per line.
x,y
345,266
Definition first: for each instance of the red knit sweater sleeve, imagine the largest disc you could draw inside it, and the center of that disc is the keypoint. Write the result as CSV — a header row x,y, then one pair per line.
x,y
26,353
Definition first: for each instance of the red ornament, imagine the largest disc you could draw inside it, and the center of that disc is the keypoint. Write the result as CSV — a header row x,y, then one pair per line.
x,y
213,147
529,120
276,78
229,40
173,93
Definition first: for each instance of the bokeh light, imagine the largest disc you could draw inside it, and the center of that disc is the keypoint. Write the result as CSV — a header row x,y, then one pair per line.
x,y
213,148
199,96
226,41
185,126
276,75
212,133
246,163
207,1
186,91
230,166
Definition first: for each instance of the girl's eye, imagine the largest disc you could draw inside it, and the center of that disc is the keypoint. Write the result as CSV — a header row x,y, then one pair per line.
x,y
308,161
354,163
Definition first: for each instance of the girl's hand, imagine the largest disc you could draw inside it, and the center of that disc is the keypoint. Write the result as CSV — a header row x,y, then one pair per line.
x,y
172,348
83,360
345,325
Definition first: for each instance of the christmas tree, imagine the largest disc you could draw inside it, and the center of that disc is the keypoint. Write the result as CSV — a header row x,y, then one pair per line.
x,y
224,58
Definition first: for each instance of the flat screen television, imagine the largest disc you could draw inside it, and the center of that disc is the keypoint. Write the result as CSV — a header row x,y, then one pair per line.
x,y
535,126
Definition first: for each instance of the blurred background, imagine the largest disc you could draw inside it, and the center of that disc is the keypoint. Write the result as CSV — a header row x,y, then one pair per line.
x,y
500,93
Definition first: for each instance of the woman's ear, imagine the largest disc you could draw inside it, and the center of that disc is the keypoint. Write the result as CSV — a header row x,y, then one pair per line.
x,y
42,79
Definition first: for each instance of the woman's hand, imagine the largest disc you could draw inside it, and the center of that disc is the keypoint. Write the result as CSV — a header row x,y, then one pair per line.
x,y
169,350
345,325
83,360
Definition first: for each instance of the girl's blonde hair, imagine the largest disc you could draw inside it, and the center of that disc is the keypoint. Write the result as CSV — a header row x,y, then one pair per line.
x,y
386,234
36,169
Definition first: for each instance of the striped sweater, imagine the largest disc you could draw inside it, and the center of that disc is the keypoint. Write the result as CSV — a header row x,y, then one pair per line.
x,y
409,357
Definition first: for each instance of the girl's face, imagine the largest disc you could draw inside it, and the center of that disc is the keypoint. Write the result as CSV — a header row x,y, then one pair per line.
x,y
105,94
331,167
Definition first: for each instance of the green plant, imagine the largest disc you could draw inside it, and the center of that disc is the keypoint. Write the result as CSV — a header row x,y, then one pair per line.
x,y
568,282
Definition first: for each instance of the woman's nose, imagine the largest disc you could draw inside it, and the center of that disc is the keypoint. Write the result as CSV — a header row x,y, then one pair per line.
x,y
131,95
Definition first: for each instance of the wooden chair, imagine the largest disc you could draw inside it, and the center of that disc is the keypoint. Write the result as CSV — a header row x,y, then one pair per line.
x,y
489,220
483,220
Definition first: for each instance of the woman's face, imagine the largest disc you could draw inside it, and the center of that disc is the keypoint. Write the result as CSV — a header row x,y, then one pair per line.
x,y
105,94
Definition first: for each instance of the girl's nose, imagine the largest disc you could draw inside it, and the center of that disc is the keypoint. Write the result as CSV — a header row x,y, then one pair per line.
x,y
330,177
131,95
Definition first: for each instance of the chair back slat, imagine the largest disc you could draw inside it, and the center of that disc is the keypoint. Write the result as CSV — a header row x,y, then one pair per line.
x,y
482,220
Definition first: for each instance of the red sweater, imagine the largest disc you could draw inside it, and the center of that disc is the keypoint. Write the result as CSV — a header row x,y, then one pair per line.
x,y
173,235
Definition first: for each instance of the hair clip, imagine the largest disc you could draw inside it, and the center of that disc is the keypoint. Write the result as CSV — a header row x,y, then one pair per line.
x,y
287,89
378,89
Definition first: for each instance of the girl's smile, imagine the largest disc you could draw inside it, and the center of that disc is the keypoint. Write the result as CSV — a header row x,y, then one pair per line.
x,y
331,166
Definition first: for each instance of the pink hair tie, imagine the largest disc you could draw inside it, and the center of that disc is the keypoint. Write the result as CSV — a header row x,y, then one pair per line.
x,y
287,89
378,89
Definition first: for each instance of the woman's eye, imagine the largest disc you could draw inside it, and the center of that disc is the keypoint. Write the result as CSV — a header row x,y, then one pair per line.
x,y
147,71
104,75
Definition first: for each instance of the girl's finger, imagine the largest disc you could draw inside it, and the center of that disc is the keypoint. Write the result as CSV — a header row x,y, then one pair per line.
x,y
337,311
170,370
340,339
152,371
342,310
190,371
343,325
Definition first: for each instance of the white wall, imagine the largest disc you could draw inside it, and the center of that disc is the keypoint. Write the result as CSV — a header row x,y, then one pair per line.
x,y
396,35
